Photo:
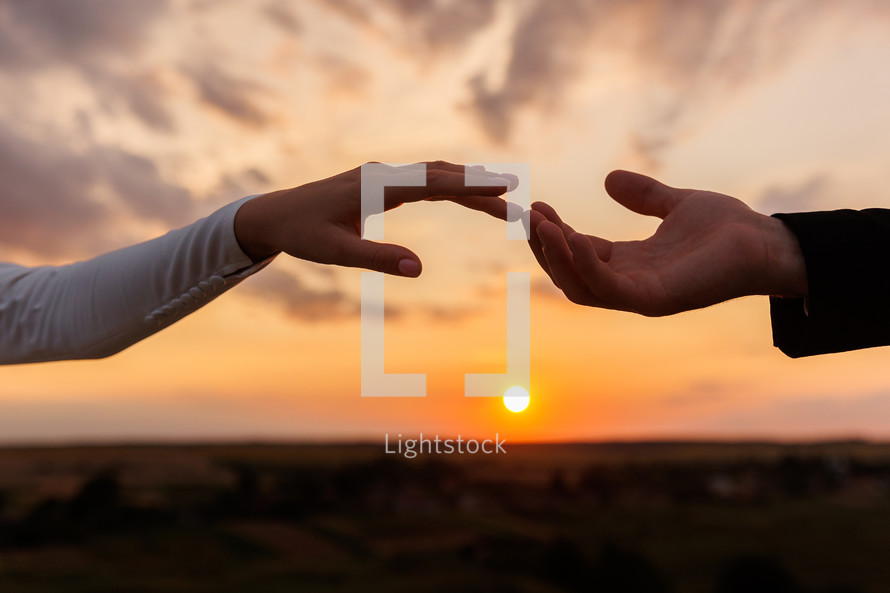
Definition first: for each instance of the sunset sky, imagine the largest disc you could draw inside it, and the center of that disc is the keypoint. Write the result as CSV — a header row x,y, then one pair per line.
x,y
121,120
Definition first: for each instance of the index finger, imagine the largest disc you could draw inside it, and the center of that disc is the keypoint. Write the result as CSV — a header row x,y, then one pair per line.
x,y
441,183
476,170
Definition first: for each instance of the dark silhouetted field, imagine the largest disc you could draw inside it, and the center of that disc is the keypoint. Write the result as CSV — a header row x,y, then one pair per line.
x,y
635,517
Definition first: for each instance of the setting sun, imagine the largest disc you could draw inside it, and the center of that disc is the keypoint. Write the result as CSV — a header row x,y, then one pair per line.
x,y
516,399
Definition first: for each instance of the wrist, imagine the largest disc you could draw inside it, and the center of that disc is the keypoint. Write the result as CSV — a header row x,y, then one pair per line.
x,y
786,267
252,229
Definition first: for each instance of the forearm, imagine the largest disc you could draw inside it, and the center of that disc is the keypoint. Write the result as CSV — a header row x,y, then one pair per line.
x,y
98,307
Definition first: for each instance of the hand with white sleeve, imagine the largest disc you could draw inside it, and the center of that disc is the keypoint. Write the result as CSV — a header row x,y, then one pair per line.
x,y
321,221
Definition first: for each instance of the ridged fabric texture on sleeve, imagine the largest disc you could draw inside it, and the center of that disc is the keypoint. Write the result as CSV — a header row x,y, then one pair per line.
x,y
848,307
95,308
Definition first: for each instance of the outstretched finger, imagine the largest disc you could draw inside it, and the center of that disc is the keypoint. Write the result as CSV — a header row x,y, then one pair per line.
x,y
598,277
534,242
550,214
439,184
478,171
560,260
491,205
603,246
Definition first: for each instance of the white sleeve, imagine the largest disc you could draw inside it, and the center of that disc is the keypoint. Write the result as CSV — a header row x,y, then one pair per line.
x,y
96,308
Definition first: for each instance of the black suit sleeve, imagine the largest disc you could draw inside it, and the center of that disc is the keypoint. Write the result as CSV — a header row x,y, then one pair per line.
x,y
847,255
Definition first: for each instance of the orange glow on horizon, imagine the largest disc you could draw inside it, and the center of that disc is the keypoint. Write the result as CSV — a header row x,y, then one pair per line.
x,y
286,109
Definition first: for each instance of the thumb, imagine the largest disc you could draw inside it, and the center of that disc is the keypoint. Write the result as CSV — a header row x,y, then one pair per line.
x,y
643,194
380,257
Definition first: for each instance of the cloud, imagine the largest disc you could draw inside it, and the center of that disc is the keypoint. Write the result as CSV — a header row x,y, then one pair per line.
x,y
848,415
46,196
704,392
50,199
305,303
40,33
544,287
344,77
257,176
800,198
430,25
298,300
688,58
137,183
861,412
227,93
140,92
352,10
230,186
686,55
696,57
88,37
64,201
545,52
450,314
278,13
443,24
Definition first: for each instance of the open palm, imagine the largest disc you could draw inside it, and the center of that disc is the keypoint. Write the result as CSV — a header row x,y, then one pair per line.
x,y
709,248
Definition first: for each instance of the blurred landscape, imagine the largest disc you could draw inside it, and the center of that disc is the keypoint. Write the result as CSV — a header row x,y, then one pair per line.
x,y
624,517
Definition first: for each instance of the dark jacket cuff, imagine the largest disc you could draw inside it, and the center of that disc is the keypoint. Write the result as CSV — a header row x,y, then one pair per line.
x,y
846,254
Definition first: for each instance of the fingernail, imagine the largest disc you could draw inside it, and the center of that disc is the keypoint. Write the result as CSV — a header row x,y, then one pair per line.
x,y
514,212
409,267
501,181
513,180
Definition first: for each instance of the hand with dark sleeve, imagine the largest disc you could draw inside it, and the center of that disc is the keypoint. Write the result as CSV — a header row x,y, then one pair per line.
x,y
825,272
